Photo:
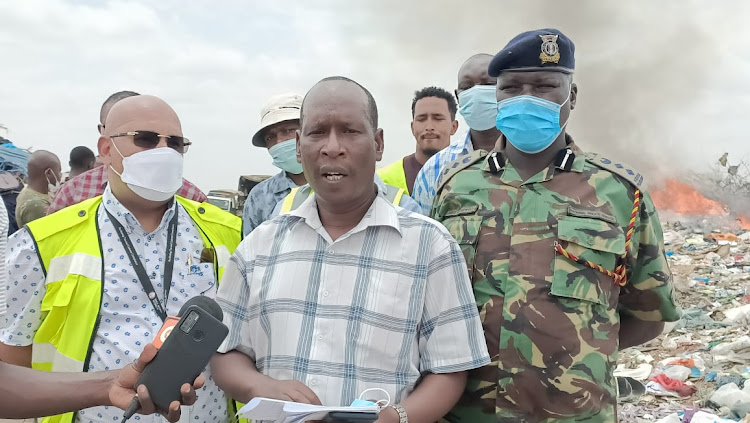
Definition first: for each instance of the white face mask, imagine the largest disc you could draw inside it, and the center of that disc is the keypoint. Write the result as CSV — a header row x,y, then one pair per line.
x,y
155,174
52,188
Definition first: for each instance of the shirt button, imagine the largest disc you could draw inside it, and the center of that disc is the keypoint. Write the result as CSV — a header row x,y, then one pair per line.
x,y
320,336
325,293
330,252
313,382
591,241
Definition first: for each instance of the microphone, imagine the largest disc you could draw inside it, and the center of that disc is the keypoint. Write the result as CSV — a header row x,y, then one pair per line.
x,y
209,305
188,316
204,303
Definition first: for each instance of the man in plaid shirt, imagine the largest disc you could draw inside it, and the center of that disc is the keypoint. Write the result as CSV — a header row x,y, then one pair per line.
x,y
348,292
92,183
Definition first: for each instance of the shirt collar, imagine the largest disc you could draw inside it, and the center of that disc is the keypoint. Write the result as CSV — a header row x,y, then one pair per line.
x,y
380,213
562,163
281,182
380,184
460,144
127,219
468,145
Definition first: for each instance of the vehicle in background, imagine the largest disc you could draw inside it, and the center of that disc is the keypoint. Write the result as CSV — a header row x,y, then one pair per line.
x,y
228,200
248,182
232,200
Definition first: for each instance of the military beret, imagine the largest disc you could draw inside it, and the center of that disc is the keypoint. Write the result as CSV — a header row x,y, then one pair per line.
x,y
540,50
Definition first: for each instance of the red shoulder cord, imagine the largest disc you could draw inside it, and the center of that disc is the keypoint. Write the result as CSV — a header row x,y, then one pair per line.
x,y
620,273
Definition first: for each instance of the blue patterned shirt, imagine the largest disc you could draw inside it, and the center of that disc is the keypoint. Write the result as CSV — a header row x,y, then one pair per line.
x,y
425,185
262,200
3,273
128,319
385,303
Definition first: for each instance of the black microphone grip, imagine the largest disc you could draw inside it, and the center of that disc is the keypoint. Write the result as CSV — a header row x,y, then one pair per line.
x,y
184,351
132,408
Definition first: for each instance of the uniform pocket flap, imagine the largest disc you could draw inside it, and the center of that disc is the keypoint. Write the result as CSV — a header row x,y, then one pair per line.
x,y
470,209
594,234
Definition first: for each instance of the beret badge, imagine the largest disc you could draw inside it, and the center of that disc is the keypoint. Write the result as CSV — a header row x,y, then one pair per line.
x,y
550,50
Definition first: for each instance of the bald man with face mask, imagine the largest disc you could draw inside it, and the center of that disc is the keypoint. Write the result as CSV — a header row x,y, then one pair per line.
x,y
154,250
91,183
44,181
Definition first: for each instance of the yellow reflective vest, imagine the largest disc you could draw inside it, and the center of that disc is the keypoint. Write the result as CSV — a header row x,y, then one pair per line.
x,y
395,175
69,248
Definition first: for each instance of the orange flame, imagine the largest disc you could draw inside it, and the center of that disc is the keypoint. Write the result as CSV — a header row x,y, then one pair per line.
x,y
684,199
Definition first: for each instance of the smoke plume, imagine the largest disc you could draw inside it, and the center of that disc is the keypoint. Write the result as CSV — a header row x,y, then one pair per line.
x,y
662,85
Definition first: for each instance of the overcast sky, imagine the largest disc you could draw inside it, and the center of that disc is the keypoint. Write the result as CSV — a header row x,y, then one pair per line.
x,y
661,84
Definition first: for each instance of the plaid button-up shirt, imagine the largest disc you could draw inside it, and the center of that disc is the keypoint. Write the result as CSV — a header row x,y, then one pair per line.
x,y
382,305
92,183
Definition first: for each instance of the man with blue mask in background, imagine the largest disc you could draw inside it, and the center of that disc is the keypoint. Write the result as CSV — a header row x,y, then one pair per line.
x,y
478,106
279,120
564,249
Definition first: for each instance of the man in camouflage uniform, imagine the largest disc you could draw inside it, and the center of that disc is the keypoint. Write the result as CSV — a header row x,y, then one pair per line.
x,y
523,215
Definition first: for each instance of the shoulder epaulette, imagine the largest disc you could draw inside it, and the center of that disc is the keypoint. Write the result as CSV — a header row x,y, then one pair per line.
x,y
621,169
458,165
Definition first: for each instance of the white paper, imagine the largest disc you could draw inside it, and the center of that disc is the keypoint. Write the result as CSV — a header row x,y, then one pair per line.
x,y
293,412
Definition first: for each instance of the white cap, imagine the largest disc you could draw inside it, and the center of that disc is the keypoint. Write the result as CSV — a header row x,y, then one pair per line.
x,y
279,108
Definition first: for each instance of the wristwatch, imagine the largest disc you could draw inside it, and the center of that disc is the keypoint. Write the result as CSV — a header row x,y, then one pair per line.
x,y
402,418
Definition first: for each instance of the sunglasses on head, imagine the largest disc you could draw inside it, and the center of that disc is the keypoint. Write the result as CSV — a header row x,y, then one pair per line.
x,y
149,139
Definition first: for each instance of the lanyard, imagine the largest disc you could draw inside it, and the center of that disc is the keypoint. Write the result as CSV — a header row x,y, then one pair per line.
x,y
138,266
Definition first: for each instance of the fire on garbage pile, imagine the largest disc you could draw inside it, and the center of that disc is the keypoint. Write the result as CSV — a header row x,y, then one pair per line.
x,y
698,370
684,200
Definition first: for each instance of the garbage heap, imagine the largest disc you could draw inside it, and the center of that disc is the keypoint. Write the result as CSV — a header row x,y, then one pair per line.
x,y
698,370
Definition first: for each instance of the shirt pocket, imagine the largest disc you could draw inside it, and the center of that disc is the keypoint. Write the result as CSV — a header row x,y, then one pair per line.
x,y
200,279
593,240
464,225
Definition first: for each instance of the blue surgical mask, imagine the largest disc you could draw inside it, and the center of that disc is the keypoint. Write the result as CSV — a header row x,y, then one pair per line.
x,y
530,123
285,156
478,106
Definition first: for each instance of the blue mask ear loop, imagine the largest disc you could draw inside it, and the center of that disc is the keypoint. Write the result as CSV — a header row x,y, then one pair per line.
x,y
359,402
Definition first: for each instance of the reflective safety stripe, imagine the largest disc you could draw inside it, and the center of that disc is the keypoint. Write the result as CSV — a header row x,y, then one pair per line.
x,y
76,264
396,197
286,206
43,352
295,198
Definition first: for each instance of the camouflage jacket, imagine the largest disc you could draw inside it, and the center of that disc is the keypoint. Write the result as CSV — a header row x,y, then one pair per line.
x,y
551,324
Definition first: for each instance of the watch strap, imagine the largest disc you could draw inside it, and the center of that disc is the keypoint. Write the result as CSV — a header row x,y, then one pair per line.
x,y
402,418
